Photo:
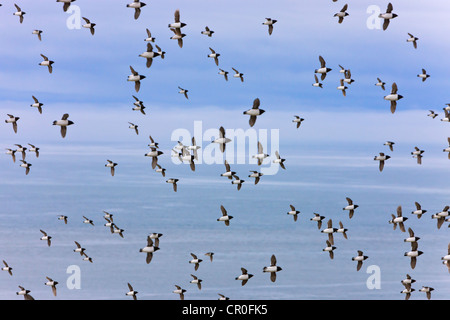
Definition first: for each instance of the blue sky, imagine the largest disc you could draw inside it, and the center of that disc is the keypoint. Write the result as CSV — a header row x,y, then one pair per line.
x,y
330,156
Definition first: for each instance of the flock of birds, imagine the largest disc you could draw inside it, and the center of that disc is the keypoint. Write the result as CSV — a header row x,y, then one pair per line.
x,y
188,153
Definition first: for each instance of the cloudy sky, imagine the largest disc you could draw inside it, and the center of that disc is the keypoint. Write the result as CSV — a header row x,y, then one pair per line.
x,y
341,134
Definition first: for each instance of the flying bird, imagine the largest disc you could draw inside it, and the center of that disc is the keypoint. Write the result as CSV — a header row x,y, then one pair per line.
x,y
380,83
154,154
37,104
350,207
195,261
330,249
136,5
412,39
413,254
133,293
359,259
149,36
19,13
424,76
63,123
417,153
207,32
427,290
255,174
293,212
47,63
298,120
419,211
25,293
279,160
134,126
89,25
398,220
342,14
149,250
38,33
111,165
317,217
390,144
228,173
222,140
177,23
224,73
238,74
178,35
179,291
269,22
244,277
342,87
273,268
26,165
238,182
225,217
173,182
46,237
214,55
330,230
317,83
197,281
12,119
381,158
136,78
51,283
254,112
323,70
260,156
7,268
183,91
387,16
432,114
149,54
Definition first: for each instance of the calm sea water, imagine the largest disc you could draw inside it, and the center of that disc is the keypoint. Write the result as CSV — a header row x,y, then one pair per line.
x,y
79,185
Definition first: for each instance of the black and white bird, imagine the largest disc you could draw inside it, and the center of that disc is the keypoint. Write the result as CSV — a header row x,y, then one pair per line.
x,y
19,13
381,158
137,6
207,32
47,63
359,259
111,165
269,22
225,217
273,268
38,33
323,70
342,14
398,220
222,140
13,120
89,25
244,277
37,104
51,283
412,39
387,16
136,78
149,55
254,112
63,123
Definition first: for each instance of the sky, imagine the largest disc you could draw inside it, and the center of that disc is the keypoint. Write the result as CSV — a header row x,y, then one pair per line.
x,y
327,158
